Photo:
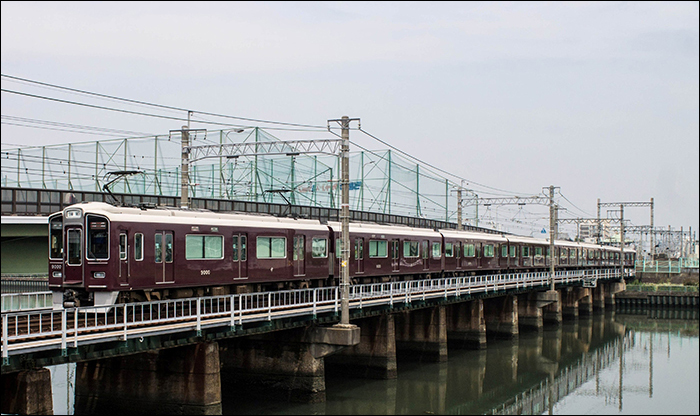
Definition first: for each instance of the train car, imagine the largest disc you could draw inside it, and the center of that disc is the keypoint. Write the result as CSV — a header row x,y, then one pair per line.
x,y
378,252
100,252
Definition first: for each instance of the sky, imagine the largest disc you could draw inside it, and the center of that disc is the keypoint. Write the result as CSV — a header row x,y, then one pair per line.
x,y
598,99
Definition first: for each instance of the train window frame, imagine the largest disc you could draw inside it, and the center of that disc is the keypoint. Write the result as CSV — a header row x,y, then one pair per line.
x,y
449,252
56,238
374,250
206,247
90,235
314,248
436,250
410,247
270,247
138,243
80,248
123,246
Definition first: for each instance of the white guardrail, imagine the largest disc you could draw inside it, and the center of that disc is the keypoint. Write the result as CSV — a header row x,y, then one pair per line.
x,y
28,331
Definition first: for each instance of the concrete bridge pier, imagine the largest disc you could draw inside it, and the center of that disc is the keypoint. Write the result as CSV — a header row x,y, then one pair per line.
x,y
286,365
552,313
182,380
501,316
530,314
466,327
375,356
27,392
422,334
585,304
611,289
570,301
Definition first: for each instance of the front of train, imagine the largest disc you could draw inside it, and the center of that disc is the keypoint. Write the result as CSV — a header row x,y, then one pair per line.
x,y
79,253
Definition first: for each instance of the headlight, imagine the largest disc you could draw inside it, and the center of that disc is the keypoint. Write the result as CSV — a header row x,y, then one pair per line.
x,y
99,275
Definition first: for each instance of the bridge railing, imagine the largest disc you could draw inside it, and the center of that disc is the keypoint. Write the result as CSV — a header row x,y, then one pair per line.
x,y
666,266
42,330
14,302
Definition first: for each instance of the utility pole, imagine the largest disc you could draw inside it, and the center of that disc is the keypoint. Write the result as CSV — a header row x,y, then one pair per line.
x,y
622,241
459,209
552,236
185,170
345,219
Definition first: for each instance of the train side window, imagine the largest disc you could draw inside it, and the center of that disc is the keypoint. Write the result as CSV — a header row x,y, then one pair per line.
x,y
319,247
513,251
56,238
504,250
271,247
488,250
448,250
410,249
437,250
338,248
458,250
169,248
122,246
425,249
235,248
538,251
378,249
526,251
138,246
359,248
572,253
159,248
244,244
469,250
200,247
97,238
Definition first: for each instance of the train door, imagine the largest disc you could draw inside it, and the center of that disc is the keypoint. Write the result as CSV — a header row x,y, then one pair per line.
x,y
240,256
123,258
360,254
395,255
74,256
299,251
503,256
165,272
426,255
458,254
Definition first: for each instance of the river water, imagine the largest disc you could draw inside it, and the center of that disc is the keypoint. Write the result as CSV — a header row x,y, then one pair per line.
x,y
630,362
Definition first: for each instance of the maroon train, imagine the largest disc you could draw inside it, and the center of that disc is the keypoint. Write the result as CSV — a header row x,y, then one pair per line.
x,y
101,254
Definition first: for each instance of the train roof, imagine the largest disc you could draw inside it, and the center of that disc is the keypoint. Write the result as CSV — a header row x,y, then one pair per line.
x,y
380,229
471,235
183,216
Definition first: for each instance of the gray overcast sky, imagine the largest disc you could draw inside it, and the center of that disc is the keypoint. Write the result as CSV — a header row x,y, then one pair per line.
x,y
600,99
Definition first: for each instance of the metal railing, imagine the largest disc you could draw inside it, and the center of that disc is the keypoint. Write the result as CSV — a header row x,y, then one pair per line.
x,y
666,266
664,289
15,302
43,330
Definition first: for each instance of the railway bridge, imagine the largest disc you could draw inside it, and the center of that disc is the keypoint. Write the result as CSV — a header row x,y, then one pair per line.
x,y
171,356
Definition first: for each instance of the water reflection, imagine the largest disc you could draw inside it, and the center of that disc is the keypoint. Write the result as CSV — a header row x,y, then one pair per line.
x,y
636,361
591,365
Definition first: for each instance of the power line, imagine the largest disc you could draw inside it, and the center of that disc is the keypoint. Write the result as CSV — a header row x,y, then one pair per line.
x,y
162,106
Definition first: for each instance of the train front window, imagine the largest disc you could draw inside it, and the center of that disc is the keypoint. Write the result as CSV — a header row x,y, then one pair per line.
x,y
56,238
97,238
74,251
